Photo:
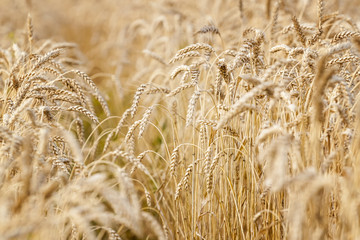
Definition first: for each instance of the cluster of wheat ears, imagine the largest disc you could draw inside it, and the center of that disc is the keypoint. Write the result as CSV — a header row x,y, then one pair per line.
x,y
241,133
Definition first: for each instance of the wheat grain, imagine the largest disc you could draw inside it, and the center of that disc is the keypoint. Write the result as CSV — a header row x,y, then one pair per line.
x,y
46,58
136,100
299,31
178,190
345,59
191,108
184,181
14,116
174,160
144,121
21,95
85,112
344,35
223,70
281,47
80,130
181,88
207,162
178,70
193,47
209,29
195,74
189,54
113,235
157,90
97,94
30,32
203,135
76,88
131,130
240,106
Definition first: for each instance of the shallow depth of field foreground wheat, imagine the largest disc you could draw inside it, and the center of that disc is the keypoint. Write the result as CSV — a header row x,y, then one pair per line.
x,y
164,119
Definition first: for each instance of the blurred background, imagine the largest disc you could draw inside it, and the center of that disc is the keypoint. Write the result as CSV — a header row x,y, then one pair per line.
x,y
113,34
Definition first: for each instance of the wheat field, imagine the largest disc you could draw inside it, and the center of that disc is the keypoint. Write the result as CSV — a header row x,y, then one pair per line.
x,y
164,119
